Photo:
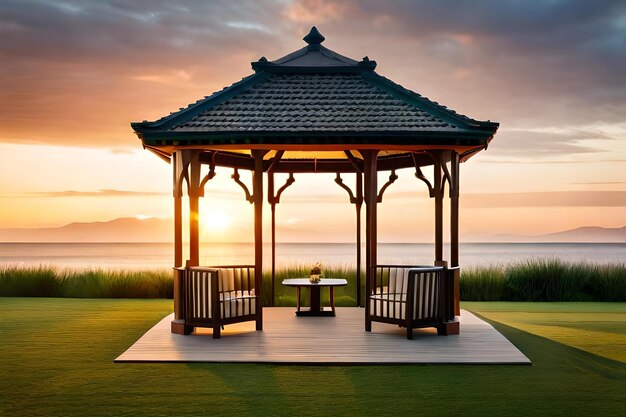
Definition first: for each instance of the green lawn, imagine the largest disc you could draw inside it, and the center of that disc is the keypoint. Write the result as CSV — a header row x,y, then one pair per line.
x,y
56,359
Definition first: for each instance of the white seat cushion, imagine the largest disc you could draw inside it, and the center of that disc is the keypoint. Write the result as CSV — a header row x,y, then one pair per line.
x,y
388,305
242,305
227,279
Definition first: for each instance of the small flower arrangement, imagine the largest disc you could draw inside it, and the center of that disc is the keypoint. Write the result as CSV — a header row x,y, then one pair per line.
x,y
316,271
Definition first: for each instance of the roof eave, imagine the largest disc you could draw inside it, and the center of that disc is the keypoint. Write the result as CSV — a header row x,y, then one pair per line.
x,y
312,139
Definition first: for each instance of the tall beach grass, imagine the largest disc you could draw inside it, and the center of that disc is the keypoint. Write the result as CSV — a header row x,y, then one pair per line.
x,y
545,280
48,281
532,280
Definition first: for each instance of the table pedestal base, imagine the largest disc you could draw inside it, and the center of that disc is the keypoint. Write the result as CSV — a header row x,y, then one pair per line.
x,y
323,312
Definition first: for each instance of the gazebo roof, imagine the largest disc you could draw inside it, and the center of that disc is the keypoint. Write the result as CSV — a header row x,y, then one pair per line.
x,y
315,96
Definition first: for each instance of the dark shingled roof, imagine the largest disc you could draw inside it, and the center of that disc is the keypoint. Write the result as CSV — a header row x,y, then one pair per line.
x,y
309,93
319,102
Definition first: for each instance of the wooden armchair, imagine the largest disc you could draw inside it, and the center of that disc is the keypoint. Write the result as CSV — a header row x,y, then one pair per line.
x,y
216,296
412,297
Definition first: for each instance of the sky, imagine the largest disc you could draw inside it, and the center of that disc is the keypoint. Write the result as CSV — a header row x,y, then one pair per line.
x,y
74,74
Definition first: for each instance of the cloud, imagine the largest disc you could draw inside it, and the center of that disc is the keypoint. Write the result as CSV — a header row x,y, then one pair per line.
x,y
523,143
600,183
545,199
316,12
521,63
76,73
99,193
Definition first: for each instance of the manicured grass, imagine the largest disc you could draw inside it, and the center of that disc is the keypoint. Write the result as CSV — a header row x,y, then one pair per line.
x,y
598,328
56,359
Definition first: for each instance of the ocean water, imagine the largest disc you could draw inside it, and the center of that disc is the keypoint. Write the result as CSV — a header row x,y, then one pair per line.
x,y
160,255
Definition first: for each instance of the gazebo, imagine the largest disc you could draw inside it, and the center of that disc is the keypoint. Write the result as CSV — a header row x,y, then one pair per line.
x,y
313,111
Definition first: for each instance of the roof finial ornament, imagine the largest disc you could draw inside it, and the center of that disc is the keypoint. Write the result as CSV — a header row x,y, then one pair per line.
x,y
314,37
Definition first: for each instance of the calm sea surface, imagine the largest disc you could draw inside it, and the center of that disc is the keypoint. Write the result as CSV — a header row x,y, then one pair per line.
x,y
160,255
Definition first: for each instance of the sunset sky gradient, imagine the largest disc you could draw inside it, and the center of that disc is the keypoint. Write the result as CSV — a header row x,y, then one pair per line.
x,y
74,74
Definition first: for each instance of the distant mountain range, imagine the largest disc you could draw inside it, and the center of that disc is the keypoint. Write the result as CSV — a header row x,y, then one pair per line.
x,y
128,229
591,234
160,230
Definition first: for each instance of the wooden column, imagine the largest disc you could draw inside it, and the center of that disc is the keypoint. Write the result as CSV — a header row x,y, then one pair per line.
x,y
357,200
273,198
270,193
454,226
181,161
438,190
194,197
178,231
371,238
178,242
177,170
257,192
358,205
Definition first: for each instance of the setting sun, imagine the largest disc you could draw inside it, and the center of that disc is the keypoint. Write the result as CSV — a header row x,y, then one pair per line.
x,y
215,220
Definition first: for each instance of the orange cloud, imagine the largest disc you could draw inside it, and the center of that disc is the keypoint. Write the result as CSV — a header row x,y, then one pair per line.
x,y
316,11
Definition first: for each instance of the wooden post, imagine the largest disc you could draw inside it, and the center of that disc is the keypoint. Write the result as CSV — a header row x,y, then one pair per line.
x,y
454,226
178,208
194,197
270,193
273,197
257,192
371,196
178,234
438,188
359,204
180,165
179,315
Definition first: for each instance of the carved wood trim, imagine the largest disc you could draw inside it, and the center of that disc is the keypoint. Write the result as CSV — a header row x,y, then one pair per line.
x,y
236,177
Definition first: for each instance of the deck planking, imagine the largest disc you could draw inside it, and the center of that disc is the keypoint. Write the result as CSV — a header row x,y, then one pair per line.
x,y
326,340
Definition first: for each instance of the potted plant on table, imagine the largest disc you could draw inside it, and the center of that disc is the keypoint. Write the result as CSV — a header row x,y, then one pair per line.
x,y
316,272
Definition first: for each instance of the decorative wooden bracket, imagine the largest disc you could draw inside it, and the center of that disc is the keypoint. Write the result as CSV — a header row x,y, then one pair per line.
x,y
455,161
181,173
249,197
420,175
353,200
208,176
275,199
392,178
446,174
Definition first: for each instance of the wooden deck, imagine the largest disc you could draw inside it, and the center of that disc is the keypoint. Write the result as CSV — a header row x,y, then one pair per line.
x,y
325,340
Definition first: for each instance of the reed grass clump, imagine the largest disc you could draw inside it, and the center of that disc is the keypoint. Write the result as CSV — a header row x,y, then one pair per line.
x,y
482,284
544,280
608,283
36,281
46,281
